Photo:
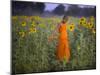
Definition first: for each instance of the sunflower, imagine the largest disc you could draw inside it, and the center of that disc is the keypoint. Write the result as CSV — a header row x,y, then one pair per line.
x,y
90,25
71,27
33,24
22,34
83,19
85,24
32,30
23,24
81,23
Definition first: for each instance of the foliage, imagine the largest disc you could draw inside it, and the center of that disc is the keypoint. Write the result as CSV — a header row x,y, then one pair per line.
x,y
31,51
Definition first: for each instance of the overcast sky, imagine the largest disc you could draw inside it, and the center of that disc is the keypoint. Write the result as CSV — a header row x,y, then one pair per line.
x,y
52,6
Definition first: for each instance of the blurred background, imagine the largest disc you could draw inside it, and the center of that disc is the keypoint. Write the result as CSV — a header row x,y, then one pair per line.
x,y
51,9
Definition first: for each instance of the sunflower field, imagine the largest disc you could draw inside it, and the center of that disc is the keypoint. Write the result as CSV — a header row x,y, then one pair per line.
x,y
32,53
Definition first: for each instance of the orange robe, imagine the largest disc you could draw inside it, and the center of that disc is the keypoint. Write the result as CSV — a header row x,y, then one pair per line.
x,y
63,51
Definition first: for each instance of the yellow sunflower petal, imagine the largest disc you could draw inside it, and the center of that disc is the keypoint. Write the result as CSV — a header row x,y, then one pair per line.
x,y
23,24
71,27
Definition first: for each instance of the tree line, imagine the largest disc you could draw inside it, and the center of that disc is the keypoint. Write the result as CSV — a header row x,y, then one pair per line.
x,y
31,8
